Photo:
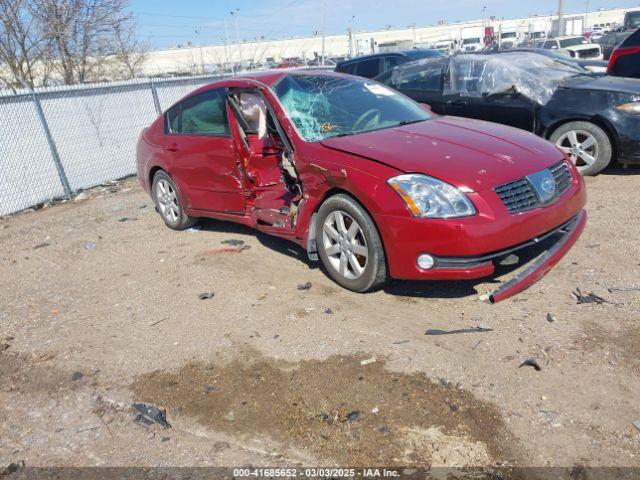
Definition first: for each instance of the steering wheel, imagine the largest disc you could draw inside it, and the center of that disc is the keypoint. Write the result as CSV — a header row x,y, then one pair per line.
x,y
366,118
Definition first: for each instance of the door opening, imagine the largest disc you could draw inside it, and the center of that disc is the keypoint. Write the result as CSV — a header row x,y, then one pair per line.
x,y
267,160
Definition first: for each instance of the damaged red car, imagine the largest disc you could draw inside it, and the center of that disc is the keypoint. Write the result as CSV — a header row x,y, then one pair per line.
x,y
369,182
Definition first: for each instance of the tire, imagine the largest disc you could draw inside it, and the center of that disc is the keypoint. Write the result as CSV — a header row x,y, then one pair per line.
x,y
571,138
364,266
168,203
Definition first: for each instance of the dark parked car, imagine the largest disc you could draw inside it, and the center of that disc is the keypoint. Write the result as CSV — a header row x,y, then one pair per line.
x,y
610,41
595,119
322,159
625,59
632,20
370,66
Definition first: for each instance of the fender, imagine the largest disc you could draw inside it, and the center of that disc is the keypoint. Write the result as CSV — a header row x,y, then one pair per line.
x,y
340,177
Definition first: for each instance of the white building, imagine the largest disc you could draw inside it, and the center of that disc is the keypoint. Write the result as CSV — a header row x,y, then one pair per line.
x,y
198,59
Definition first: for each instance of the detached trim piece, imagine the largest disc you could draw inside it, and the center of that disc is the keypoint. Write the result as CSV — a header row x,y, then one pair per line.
x,y
541,266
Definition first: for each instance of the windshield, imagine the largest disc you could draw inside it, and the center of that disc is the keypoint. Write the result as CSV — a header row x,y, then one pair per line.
x,y
420,54
572,42
469,41
633,19
508,35
325,106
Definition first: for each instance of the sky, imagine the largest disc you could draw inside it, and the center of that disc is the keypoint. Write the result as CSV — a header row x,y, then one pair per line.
x,y
167,23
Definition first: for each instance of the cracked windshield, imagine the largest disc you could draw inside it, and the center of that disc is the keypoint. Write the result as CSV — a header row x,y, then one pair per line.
x,y
322,106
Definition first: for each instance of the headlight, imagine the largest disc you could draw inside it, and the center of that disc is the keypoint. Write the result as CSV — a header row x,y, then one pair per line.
x,y
429,197
632,108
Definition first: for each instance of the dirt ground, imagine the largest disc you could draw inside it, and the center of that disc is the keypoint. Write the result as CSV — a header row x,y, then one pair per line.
x,y
100,308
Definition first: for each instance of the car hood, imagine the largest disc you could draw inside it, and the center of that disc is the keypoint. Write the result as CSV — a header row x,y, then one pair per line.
x,y
470,154
606,83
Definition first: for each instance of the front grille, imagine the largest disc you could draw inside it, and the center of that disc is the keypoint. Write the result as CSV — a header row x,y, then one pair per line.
x,y
520,196
562,176
590,53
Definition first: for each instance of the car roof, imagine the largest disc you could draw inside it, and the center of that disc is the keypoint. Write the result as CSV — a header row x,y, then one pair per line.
x,y
404,53
268,78
565,37
370,56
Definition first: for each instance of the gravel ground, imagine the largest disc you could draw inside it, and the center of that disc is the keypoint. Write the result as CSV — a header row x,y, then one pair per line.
x,y
100,308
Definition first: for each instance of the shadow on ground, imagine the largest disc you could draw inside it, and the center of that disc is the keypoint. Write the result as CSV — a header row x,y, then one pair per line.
x,y
402,288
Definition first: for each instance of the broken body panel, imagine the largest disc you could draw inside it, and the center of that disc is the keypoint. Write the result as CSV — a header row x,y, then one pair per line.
x,y
282,180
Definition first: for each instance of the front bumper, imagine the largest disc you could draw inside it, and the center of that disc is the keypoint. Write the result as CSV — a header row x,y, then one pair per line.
x,y
628,130
465,248
568,235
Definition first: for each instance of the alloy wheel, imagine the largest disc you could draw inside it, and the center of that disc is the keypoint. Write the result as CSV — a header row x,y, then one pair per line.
x,y
345,244
167,201
580,146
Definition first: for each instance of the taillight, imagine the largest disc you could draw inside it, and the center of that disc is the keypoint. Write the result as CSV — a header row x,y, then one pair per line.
x,y
620,52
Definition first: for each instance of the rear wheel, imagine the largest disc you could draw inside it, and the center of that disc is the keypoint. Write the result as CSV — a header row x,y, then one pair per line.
x,y
349,245
586,144
168,203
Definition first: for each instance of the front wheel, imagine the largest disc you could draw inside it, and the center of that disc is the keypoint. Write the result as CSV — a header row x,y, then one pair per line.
x,y
349,245
586,144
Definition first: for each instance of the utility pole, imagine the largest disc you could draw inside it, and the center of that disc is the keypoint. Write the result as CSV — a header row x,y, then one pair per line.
x,y
350,33
198,31
586,14
560,18
324,24
226,43
235,15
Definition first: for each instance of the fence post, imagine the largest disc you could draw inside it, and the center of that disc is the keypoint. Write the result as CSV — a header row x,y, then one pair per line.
x,y
156,100
52,145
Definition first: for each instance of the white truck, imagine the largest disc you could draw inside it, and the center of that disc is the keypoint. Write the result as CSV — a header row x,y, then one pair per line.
x,y
576,47
472,39
509,38
537,32
448,47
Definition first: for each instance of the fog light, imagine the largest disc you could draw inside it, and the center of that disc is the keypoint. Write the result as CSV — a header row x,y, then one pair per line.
x,y
426,261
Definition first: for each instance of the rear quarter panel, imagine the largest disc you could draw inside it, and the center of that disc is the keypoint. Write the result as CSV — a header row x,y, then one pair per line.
x,y
150,153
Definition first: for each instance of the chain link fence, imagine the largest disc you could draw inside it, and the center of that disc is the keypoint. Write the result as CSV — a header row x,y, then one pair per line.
x,y
57,141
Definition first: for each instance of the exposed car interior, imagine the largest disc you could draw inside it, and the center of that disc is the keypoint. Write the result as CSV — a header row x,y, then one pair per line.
x,y
267,163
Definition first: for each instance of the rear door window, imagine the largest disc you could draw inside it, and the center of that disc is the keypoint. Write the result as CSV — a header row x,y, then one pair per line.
x,y
368,68
348,68
202,114
390,62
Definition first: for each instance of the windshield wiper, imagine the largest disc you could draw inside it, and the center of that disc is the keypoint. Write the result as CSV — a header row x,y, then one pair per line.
x,y
408,122
344,134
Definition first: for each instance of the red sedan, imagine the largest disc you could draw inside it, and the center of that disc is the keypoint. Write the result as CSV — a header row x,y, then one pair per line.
x,y
365,179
